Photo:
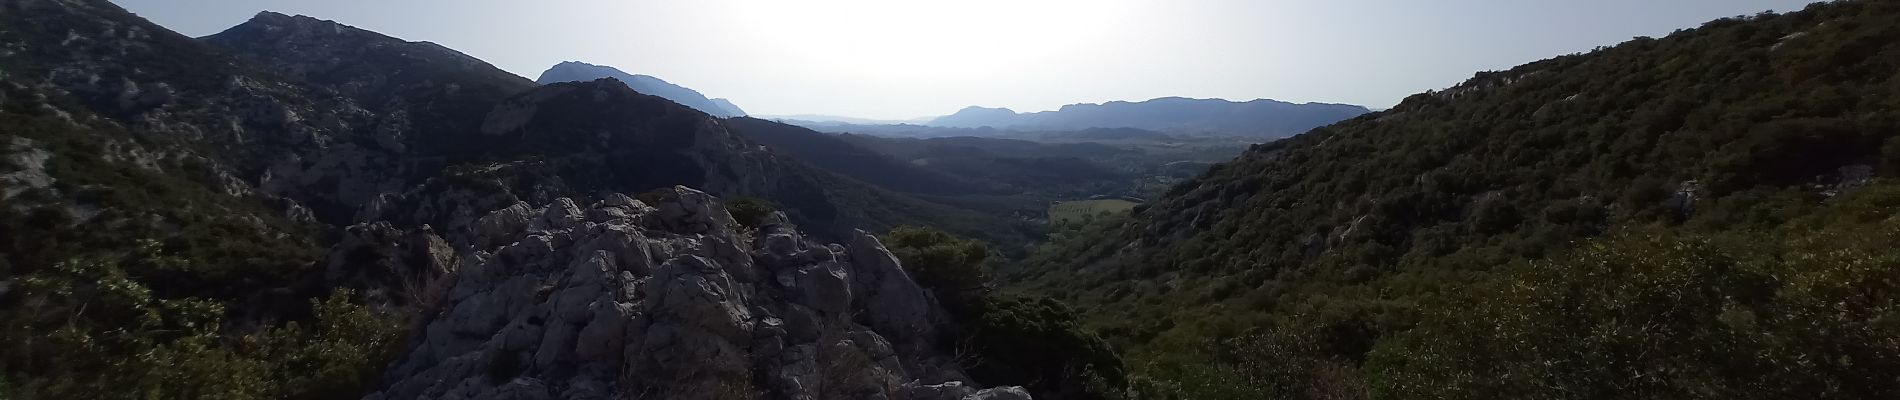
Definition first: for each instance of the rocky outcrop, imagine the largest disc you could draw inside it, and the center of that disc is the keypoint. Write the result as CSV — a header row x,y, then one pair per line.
x,y
620,299
22,167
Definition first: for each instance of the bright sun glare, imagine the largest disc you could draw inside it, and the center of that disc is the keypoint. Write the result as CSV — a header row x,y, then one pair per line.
x,y
935,38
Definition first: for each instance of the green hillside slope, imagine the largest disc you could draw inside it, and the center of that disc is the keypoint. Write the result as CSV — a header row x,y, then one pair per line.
x,y
1381,256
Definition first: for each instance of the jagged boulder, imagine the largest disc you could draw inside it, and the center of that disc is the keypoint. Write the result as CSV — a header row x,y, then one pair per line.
x,y
625,300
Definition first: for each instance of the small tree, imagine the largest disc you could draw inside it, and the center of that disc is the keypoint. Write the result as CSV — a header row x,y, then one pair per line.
x,y
952,267
1030,341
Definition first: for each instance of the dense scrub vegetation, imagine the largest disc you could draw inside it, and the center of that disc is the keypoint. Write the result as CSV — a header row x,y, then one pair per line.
x,y
86,330
1443,249
1006,338
130,282
1800,310
1806,310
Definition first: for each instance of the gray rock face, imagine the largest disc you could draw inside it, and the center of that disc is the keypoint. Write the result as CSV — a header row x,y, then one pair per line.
x,y
25,165
896,302
624,300
1001,393
959,391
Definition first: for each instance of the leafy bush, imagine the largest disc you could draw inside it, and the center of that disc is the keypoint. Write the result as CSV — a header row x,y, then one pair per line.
x,y
750,211
1038,343
954,268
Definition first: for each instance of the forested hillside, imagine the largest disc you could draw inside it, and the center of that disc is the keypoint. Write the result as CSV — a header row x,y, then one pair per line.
x,y
1705,215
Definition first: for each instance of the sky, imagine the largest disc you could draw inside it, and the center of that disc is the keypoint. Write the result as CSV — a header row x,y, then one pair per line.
x,y
901,59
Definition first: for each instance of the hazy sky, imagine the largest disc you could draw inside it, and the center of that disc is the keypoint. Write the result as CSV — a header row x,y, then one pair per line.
x,y
911,58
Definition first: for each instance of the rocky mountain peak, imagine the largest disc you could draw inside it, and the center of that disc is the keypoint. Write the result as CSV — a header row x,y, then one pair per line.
x,y
576,64
274,24
273,19
624,299
322,46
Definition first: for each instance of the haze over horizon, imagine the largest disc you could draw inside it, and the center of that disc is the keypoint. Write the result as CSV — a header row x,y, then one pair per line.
x,y
878,60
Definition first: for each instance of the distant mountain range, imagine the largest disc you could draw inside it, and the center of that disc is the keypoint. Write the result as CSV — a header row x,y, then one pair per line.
x,y
818,119
575,71
1258,118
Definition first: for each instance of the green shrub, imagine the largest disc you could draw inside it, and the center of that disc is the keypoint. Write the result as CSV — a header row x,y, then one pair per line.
x,y
1030,341
750,211
952,267
1757,315
85,329
1038,343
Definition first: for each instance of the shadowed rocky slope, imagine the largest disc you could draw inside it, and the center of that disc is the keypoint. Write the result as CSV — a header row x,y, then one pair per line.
x,y
165,203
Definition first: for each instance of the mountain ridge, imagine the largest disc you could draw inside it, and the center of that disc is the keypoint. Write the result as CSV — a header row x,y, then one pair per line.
x,y
571,71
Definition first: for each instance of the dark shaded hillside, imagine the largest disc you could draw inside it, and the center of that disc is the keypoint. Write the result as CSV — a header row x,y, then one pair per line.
x,y
166,202
415,87
135,242
848,159
1315,266
441,114
582,138
416,108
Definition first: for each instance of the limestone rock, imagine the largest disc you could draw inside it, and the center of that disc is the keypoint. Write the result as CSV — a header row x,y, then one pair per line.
x,y
1001,393
625,300
897,307
942,391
